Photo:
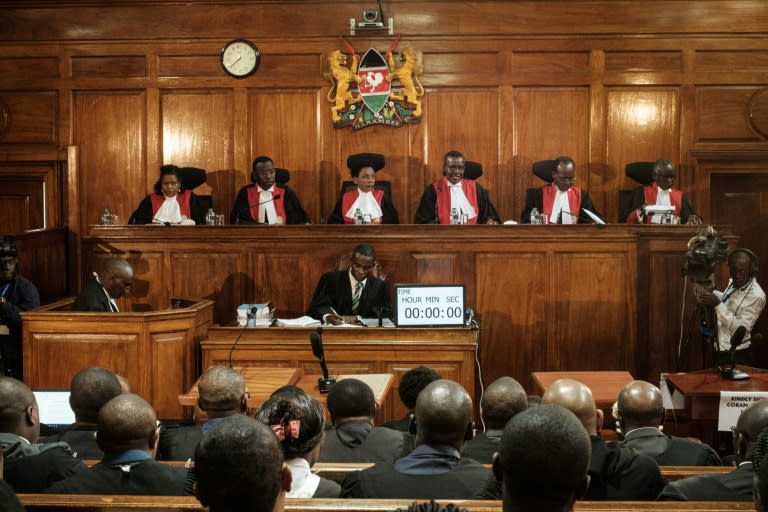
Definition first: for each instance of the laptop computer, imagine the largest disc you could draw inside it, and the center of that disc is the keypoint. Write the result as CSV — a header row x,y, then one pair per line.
x,y
54,407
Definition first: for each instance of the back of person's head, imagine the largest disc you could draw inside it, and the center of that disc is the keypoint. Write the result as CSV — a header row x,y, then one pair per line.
x,y
577,398
18,409
222,392
639,404
760,465
413,382
351,398
543,460
89,390
127,422
443,414
239,467
432,506
502,399
296,418
751,422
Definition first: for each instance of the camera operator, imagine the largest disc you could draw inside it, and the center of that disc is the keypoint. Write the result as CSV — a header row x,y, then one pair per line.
x,y
16,295
739,304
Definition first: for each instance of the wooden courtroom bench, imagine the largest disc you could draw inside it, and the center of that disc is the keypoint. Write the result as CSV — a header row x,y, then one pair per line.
x,y
88,503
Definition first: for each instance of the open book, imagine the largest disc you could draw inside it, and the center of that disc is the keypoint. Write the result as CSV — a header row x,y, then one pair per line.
x,y
302,321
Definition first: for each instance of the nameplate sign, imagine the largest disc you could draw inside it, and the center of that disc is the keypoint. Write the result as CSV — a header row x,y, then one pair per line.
x,y
732,404
429,305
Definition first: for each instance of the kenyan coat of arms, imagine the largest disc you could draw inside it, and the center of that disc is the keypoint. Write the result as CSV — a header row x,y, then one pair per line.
x,y
374,89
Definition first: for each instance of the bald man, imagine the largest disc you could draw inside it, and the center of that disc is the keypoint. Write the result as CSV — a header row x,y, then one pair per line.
x,y
616,472
111,282
530,464
435,468
29,466
736,485
128,436
239,466
89,390
640,414
222,393
502,400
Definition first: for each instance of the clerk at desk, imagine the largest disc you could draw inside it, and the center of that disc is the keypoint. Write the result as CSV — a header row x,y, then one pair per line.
x,y
343,295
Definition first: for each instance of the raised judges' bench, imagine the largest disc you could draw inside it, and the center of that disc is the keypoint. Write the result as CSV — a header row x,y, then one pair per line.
x,y
450,351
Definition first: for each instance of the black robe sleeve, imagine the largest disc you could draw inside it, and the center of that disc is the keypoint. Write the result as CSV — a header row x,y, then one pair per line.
x,y
336,216
686,210
427,211
241,212
294,213
487,210
195,210
586,203
388,212
533,199
143,214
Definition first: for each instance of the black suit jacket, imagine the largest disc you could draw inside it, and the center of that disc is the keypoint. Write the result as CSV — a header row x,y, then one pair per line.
x,y
361,442
92,298
618,473
146,478
734,486
179,442
82,441
670,451
534,198
335,291
483,446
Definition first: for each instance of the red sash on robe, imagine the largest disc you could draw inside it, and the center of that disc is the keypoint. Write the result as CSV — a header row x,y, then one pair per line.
x,y
182,198
444,199
254,200
650,193
549,192
349,198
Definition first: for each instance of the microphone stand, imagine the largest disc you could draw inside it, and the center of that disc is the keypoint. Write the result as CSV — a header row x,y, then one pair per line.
x,y
324,383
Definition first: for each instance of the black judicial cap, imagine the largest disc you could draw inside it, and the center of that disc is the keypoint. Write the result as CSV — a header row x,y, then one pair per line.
x,y
192,177
282,176
358,161
8,248
543,170
641,172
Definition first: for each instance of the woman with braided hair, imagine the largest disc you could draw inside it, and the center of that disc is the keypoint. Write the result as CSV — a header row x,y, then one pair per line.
x,y
298,421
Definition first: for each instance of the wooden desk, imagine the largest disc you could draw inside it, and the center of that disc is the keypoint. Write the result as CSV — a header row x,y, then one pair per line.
x,y
450,351
605,386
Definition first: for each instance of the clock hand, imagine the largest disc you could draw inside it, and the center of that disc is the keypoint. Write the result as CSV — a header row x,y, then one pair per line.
x,y
235,61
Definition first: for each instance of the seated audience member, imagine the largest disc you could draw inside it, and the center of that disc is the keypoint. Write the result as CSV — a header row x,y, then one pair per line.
x,y
640,414
616,472
9,502
660,192
455,192
17,294
543,460
353,438
89,390
740,304
375,204
298,421
170,204
221,393
267,202
502,400
760,466
560,200
240,468
29,466
736,485
435,468
128,436
111,282
411,384
343,295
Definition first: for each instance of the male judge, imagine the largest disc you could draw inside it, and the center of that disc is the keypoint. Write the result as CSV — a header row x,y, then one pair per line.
x,y
266,202
111,282
453,192
343,295
660,192
740,304
17,294
560,201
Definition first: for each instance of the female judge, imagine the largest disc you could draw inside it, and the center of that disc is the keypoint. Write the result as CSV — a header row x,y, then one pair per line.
x,y
374,203
169,205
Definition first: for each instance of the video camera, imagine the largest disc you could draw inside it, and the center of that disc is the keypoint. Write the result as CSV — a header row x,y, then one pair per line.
x,y
705,251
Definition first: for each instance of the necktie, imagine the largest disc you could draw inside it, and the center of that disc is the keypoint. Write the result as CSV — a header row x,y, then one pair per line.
x,y
356,296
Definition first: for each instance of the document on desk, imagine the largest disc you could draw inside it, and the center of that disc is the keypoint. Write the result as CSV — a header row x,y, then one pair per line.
x,y
302,321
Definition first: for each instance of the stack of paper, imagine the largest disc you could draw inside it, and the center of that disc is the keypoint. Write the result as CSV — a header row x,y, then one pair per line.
x,y
302,321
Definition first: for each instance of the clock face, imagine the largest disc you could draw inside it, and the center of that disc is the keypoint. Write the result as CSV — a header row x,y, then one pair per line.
x,y
240,58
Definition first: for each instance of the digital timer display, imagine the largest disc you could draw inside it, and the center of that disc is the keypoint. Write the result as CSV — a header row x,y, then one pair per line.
x,y
429,305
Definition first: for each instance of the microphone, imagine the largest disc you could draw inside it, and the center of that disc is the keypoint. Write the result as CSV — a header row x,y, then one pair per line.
x,y
251,316
588,219
736,339
247,211
324,383
439,191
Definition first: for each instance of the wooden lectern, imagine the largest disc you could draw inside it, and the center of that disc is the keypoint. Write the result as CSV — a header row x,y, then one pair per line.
x,y
155,351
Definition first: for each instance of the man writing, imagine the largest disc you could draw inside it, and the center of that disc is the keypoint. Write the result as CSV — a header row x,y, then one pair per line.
x,y
111,282
343,295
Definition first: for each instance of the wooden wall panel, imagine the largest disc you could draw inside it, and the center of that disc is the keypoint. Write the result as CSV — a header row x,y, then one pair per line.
x,y
117,66
732,60
32,117
30,67
635,61
109,128
197,131
29,196
169,350
222,283
642,125
145,294
269,285
722,114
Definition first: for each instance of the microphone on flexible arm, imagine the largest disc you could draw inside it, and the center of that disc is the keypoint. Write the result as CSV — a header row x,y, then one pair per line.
x,y
248,209
736,339
439,191
251,316
324,383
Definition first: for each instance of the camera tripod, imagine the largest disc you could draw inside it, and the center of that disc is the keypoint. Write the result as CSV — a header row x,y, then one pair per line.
x,y
708,329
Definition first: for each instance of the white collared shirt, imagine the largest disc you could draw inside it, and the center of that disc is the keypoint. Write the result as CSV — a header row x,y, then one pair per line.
x,y
561,204
367,204
459,200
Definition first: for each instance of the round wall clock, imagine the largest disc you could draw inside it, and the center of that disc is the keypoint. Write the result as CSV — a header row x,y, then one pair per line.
x,y
240,58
